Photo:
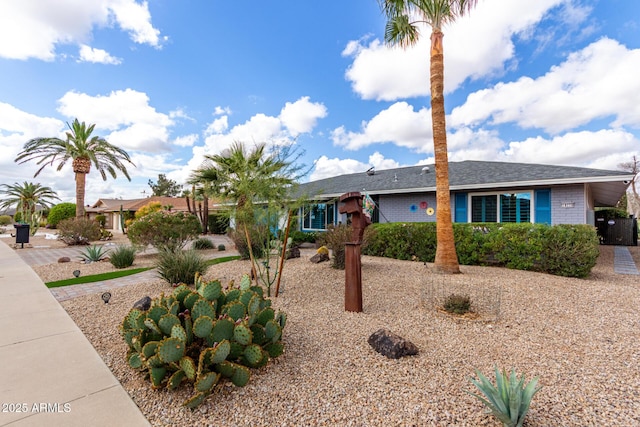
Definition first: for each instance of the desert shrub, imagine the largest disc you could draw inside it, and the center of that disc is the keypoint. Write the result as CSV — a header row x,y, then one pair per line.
x,y
201,337
147,209
78,231
60,212
570,250
335,238
101,219
180,266
202,243
164,230
122,256
218,222
17,217
221,247
94,253
5,220
105,234
258,236
298,237
457,304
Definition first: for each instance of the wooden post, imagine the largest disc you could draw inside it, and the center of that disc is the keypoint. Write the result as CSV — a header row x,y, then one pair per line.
x,y
353,278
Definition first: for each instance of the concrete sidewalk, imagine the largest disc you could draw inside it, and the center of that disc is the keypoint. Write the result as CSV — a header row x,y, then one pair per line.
x,y
51,375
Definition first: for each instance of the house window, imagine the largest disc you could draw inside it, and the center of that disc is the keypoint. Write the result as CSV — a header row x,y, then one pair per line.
x,y
505,207
318,216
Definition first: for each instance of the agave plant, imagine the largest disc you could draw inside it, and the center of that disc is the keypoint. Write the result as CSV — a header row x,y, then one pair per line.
x,y
94,253
509,400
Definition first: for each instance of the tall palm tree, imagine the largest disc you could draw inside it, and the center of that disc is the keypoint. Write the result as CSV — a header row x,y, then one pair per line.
x,y
403,19
83,149
26,197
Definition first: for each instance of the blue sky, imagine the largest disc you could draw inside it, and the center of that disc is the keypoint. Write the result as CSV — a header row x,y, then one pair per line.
x,y
550,81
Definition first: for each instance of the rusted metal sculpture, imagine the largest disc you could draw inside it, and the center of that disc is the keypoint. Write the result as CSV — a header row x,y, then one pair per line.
x,y
352,205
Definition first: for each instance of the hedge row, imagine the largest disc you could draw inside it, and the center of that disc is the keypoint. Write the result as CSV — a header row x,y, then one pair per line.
x,y
563,250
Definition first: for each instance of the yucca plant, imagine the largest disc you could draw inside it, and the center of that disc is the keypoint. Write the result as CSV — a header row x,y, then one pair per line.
x,y
509,399
180,266
202,243
122,256
94,253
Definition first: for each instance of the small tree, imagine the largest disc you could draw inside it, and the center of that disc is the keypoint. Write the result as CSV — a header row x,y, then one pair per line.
x,y
60,212
148,208
165,187
164,230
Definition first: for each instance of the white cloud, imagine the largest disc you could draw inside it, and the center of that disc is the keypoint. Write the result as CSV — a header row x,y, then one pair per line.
x,y
186,141
475,46
591,84
301,116
399,124
90,54
135,124
325,167
30,30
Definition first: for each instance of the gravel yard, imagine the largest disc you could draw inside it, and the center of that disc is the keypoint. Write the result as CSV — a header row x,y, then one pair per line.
x,y
580,336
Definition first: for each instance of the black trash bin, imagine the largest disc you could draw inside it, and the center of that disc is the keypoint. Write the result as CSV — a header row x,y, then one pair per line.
x,y
22,233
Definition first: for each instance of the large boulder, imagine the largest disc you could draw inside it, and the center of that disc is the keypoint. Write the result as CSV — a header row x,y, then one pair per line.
x,y
319,257
391,345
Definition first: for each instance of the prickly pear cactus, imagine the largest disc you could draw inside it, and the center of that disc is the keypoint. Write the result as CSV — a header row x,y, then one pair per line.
x,y
199,337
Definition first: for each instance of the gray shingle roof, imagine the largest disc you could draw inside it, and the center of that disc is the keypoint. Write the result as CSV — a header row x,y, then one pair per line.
x,y
466,175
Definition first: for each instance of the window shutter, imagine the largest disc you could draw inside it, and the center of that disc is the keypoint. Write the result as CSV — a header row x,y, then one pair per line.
x,y
543,206
461,207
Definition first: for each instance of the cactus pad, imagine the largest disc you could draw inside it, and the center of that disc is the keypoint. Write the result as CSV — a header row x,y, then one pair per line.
x,y
156,312
259,336
236,350
188,328
275,349
195,400
131,321
253,354
223,329
232,295
189,367
242,334
265,315
175,379
236,310
128,336
202,326
157,375
254,305
134,360
258,290
151,325
181,292
211,290
178,332
171,350
240,376
281,318
245,282
207,381
220,352
191,299
245,297
226,368
150,349
167,322
202,307
272,331
174,308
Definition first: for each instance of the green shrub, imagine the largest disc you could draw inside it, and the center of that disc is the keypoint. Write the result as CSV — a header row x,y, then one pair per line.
x,y
218,222
5,220
202,243
180,266
17,217
509,399
457,304
298,237
164,230
200,337
335,239
78,231
101,219
258,236
94,253
145,210
60,212
122,256
565,250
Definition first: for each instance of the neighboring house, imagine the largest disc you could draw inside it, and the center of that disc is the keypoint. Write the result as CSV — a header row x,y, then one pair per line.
x,y
480,192
113,208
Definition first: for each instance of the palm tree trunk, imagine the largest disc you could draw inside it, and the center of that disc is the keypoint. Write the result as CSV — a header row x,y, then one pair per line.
x,y
80,185
446,260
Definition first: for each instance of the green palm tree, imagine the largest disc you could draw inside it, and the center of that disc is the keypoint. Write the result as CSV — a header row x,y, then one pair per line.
x,y
403,19
26,197
83,150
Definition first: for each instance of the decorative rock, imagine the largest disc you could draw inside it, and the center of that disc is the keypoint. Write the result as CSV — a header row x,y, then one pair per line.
x,y
64,259
391,345
293,252
143,304
318,258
